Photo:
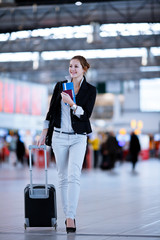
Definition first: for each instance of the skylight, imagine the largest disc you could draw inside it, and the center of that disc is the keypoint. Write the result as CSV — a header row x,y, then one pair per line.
x,y
89,54
106,30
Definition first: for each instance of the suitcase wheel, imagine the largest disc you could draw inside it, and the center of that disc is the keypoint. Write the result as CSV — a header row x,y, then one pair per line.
x,y
55,226
25,226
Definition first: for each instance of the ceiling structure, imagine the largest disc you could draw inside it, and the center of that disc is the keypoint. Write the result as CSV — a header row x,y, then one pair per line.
x,y
17,17
38,16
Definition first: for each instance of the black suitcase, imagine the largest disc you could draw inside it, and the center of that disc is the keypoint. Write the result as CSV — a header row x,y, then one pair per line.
x,y
40,199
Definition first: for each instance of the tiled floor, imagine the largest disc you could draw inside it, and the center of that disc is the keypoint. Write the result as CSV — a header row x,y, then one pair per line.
x,y
114,205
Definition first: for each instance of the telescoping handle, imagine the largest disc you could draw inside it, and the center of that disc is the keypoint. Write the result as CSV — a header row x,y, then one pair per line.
x,y
42,147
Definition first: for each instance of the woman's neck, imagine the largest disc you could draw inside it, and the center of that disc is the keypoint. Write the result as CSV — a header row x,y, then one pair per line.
x,y
77,81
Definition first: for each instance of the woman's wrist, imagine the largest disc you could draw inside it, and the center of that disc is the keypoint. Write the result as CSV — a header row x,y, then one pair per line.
x,y
71,103
74,107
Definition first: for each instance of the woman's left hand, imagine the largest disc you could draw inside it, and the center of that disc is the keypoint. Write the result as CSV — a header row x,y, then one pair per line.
x,y
66,98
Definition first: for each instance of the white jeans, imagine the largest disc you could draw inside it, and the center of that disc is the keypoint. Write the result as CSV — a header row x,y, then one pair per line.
x,y
69,152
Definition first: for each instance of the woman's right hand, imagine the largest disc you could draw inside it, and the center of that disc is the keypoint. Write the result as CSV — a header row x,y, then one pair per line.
x,y
41,140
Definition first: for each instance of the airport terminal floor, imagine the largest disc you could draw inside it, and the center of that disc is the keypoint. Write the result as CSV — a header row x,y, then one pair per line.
x,y
115,205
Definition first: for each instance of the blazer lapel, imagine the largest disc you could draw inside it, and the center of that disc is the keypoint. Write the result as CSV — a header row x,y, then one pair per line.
x,y
82,91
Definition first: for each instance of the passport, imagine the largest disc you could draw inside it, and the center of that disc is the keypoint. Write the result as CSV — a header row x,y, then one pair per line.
x,y
69,89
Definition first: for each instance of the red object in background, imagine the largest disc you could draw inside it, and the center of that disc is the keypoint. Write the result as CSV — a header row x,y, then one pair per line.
x,y
1,96
23,98
5,153
39,158
89,158
25,101
125,154
22,103
37,96
18,99
8,97
144,154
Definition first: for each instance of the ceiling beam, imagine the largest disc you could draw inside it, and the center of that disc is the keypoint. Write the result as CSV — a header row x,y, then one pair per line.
x,y
102,70
34,17
40,44
51,77
108,64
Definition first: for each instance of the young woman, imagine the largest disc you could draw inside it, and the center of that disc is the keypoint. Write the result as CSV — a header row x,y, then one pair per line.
x,y
70,128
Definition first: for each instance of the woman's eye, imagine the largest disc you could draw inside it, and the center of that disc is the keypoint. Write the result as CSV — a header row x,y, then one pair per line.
x,y
75,66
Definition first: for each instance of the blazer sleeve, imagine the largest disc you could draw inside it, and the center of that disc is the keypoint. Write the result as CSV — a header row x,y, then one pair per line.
x,y
88,107
52,102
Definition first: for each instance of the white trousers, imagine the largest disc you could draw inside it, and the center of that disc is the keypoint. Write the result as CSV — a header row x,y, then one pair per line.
x,y
69,152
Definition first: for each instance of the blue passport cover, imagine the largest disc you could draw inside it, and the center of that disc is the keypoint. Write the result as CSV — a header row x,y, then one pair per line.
x,y
69,88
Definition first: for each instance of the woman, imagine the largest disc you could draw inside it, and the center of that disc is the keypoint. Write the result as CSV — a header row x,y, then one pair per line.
x,y
71,126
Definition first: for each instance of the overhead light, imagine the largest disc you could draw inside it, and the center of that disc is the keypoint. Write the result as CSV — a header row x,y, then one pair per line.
x,y
122,131
133,123
140,124
78,3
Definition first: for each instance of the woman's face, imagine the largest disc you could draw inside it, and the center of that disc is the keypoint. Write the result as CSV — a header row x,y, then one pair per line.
x,y
75,69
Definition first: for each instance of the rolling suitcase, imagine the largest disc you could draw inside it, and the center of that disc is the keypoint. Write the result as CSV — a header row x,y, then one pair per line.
x,y
40,199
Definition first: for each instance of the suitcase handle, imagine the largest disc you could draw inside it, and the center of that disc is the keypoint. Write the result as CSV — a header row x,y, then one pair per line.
x,y
42,147
37,147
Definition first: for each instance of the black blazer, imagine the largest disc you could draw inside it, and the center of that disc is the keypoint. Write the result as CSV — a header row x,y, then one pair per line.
x,y
85,98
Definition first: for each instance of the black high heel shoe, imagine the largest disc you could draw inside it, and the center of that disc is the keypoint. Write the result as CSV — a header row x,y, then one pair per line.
x,y
70,229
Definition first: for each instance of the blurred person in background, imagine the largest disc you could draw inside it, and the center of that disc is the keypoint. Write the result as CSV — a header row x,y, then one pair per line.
x,y
95,143
104,153
4,151
151,146
134,149
85,162
112,148
20,150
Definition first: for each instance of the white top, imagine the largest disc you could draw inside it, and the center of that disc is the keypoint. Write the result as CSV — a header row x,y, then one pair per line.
x,y
66,125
